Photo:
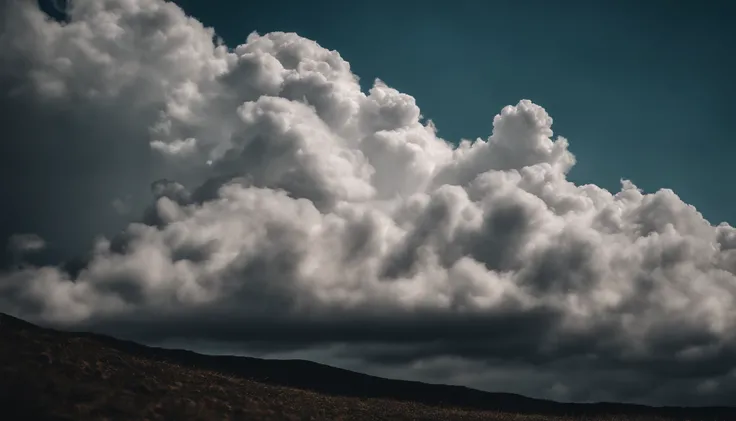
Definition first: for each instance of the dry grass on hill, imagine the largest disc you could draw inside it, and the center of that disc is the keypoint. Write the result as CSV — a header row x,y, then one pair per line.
x,y
47,375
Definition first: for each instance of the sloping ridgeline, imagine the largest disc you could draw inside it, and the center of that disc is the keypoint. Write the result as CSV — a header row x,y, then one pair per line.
x,y
51,375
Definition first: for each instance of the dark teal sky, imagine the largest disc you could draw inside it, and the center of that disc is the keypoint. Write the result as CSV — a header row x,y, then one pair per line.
x,y
643,92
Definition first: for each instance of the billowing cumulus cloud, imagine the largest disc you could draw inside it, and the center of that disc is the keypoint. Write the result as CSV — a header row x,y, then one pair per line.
x,y
291,211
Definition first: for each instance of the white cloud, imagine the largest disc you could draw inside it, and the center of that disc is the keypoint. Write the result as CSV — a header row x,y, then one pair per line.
x,y
309,206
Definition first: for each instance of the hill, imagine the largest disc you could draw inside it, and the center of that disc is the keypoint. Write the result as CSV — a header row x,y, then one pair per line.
x,y
50,375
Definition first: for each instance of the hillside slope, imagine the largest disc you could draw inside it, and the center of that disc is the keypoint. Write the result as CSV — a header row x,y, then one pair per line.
x,y
50,375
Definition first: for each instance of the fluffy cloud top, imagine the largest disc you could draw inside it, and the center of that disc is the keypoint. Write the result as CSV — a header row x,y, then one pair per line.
x,y
303,212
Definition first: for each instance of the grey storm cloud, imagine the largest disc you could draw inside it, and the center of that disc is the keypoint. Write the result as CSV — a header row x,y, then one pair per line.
x,y
291,209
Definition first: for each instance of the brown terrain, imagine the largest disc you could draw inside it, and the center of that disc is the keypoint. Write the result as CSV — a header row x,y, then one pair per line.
x,y
62,376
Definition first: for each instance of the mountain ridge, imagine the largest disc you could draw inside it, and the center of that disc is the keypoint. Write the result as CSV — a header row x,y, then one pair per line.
x,y
333,381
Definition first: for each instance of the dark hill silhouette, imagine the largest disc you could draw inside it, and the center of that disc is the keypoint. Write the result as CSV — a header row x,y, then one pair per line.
x,y
29,353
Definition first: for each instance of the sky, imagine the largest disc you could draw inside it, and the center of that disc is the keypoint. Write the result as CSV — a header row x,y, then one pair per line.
x,y
643,90
511,197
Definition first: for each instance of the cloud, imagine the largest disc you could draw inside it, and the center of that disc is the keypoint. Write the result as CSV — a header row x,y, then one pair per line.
x,y
292,211
26,243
